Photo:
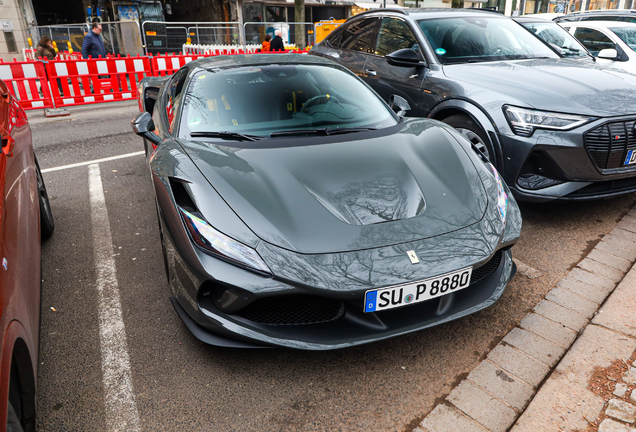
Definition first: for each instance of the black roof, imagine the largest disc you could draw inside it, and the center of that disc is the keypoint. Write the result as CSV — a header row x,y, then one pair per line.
x,y
432,12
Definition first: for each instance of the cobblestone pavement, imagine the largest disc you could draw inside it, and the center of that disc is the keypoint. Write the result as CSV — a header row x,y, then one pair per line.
x,y
570,365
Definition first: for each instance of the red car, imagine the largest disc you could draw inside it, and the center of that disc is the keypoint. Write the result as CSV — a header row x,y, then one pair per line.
x,y
25,219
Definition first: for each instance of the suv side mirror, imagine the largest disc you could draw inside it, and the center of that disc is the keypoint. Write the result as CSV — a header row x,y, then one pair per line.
x,y
608,53
143,126
405,57
399,105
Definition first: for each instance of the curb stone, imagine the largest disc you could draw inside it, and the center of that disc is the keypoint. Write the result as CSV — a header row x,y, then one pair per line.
x,y
501,391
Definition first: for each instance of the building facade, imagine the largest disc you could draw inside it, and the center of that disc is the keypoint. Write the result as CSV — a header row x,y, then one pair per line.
x,y
15,18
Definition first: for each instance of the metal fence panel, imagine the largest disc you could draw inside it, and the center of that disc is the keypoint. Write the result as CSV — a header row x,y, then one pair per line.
x,y
120,37
162,37
255,31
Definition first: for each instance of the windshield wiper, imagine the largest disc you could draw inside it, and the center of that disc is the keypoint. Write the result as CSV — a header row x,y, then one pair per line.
x,y
320,131
226,136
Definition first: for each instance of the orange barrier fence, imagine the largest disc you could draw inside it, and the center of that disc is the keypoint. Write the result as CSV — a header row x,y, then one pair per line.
x,y
169,64
28,83
88,81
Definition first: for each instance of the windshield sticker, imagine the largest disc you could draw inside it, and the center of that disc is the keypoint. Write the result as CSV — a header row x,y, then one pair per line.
x,y
201,77
194,122
440,51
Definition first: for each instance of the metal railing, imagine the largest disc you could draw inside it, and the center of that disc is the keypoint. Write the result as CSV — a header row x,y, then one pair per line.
x,y
288,31
166,37
120,37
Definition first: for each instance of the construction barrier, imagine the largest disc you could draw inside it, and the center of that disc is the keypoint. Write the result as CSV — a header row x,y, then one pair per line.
x,y
163,65
89,81
212,50
70,80
28,83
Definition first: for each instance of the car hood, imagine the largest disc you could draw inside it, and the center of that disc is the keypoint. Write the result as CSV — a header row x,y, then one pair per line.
x,y
561,85
349,192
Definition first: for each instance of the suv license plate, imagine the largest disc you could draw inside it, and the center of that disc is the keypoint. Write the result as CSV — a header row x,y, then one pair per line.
x,y
631,158
415,292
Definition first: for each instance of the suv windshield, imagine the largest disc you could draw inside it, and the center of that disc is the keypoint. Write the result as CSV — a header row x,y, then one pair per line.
x,y
259,100
558,37
627,35
466,40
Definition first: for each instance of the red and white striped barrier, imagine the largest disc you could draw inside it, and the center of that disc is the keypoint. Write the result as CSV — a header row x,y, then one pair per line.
x,y
89,81
163,65
28,83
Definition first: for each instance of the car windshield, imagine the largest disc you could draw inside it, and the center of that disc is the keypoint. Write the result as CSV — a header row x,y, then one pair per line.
x,y
260,100
627,35
467,40
559,38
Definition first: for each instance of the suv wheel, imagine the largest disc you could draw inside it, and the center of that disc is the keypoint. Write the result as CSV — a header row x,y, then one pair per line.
x,y
473,133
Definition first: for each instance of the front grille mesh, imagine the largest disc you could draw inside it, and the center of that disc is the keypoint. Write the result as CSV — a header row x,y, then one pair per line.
x,y
487,269
293,310
608,144
309,309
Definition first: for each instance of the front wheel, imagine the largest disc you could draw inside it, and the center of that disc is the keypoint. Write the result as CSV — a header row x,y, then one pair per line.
x,y
47,224
473,133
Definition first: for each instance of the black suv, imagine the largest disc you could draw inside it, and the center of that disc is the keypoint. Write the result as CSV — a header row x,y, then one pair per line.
x,y
556,128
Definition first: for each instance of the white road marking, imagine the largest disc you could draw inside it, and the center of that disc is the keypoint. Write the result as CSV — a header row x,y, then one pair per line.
x,y
121,410
94,161
527,271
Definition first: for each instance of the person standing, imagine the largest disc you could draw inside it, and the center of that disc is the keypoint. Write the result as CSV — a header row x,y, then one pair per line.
x,y
277,42
45,49
93,45
266,44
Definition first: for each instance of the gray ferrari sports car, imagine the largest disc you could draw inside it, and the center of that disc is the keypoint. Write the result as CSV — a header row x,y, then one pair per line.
x,y
297,209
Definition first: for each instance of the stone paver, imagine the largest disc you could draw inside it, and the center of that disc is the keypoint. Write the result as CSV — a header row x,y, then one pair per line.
x,y
519,364
621,410
601,269
591,279
632,397
495,381
446,419
559,407
535,346
618,251
620,390
630,376
479,405
554,332
594,293
609,425
572,301
562,315
621,238
619,311
610,260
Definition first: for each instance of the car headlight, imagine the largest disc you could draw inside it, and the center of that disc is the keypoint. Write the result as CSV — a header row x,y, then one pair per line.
x,y
221,246
502,196
524,121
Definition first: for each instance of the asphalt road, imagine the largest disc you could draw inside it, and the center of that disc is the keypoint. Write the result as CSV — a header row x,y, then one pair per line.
x,y
181,384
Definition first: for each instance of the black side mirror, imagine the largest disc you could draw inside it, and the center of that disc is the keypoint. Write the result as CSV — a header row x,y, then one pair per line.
x,y
143,126
405,57
399,105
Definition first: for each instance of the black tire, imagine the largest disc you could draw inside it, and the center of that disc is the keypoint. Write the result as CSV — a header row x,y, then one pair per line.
x,y
13,420
479,138
47,224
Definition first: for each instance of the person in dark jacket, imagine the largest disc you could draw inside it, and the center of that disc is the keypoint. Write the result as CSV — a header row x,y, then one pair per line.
x,y
93,45
277,43
45,49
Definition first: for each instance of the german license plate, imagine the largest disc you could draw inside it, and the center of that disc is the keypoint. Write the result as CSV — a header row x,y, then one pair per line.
x,y
415,292
631,157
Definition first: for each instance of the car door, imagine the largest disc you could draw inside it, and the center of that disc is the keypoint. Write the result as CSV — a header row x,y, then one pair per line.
x,y
356,41
395,34
19,210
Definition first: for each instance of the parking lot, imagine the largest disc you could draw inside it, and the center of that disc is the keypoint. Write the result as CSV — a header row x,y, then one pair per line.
x,y
177,383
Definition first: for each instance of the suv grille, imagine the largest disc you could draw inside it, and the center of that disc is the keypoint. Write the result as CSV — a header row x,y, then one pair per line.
x,y
293,310
487,269
608,144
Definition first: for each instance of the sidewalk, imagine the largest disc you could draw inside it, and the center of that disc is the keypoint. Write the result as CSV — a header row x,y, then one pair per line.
x,y
570,365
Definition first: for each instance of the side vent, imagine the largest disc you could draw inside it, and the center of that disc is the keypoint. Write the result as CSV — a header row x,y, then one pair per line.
x,y
181,195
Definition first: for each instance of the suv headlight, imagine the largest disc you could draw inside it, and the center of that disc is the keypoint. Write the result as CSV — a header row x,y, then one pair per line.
x,y
221,246
502,196
524,121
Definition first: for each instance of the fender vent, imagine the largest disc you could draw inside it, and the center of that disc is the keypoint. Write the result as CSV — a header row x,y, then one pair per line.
x,y
487,269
